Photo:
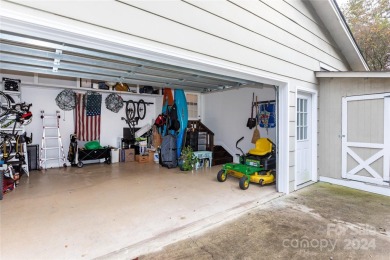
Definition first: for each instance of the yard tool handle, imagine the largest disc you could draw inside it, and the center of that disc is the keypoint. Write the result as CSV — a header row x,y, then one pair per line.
x,y
239,140
253,100
273,144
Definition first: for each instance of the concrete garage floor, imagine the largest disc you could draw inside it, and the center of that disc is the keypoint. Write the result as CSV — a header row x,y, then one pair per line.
x,y
116,211
322,221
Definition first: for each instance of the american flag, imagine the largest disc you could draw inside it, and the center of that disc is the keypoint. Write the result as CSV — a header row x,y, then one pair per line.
x,y
87,116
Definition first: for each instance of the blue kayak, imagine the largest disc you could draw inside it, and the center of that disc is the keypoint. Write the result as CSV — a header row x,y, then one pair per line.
x,y
182,116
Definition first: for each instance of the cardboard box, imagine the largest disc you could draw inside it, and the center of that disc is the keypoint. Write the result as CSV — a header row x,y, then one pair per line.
x,y
151,156
142,158
129,155
85,83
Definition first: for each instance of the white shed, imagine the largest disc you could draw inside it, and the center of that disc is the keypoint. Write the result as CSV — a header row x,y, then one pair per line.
x,y
354,129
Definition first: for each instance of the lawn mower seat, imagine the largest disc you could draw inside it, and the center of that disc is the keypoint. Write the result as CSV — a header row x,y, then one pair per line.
x,y
263,147
263,153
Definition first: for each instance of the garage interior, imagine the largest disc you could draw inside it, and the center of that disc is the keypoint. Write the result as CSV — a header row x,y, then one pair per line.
x,y
134,207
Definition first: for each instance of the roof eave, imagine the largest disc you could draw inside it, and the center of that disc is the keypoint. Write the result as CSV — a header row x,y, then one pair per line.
x,y
331,16
353,74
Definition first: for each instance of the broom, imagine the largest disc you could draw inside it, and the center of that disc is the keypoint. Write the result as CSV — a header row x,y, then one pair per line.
x,y
256,132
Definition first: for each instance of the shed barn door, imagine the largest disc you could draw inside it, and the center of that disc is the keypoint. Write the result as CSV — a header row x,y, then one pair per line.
x,y
366,138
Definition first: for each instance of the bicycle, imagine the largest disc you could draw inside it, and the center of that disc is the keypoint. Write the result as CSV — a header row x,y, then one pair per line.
x,y
133,106
12,140
23,116
131,123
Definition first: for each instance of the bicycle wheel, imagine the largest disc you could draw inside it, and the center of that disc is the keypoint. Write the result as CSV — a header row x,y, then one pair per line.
x,y
141,109
5,104
130,110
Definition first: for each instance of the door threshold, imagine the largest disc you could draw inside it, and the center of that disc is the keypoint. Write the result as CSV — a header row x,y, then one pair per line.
x,y
305,184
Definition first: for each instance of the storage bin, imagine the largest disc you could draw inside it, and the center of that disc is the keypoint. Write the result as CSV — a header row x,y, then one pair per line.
x,y
156,157
114,155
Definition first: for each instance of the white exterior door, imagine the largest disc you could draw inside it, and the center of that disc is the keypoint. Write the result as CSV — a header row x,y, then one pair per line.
x,y
304,139
366,138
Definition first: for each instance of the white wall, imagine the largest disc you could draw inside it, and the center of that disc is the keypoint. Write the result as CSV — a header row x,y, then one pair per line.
x,y
226,114
43,98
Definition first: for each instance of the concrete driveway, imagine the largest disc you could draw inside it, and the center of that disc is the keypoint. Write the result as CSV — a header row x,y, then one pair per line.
x,y
322,221
120,210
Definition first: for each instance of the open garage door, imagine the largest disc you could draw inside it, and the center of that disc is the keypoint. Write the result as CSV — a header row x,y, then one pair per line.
x,y
64,57
30,54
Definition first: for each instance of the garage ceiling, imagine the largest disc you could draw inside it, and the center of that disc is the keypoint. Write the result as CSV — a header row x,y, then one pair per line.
x,y
28,54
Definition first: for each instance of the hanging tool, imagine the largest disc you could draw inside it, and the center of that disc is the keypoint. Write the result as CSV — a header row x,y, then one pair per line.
x,y
251,121
256,132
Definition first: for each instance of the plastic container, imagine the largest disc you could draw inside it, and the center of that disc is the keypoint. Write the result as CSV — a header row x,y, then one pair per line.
x,y
114,155
155,157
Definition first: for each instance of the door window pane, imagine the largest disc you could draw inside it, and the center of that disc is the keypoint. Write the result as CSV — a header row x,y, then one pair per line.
x,y
192,105
298,105
302,124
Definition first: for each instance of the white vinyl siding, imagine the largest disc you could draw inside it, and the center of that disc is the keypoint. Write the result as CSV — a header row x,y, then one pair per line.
x,y
303,15
270,36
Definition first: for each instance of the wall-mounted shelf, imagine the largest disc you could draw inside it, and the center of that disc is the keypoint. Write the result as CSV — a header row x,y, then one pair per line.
x,y
40,85
12,92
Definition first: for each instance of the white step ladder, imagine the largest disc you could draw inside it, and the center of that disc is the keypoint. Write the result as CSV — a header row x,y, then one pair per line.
x,y
51,140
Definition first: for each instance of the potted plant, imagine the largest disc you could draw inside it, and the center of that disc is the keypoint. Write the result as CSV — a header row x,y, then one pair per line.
x,y
187,159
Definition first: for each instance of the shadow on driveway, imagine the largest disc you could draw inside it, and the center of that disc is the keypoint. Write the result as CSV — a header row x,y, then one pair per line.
x,y
322,221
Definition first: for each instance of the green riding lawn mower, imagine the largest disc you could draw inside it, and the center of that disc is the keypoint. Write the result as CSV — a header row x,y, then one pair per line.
x,y
257,166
